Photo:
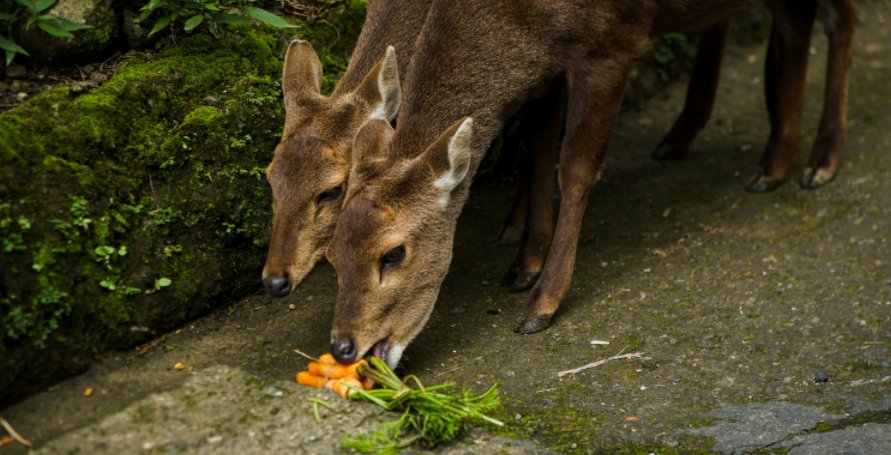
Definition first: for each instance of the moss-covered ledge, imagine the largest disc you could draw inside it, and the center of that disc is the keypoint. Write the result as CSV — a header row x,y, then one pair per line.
x,y
131,208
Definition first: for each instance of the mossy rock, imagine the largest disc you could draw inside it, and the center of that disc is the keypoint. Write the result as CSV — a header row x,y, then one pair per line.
x,y
130,209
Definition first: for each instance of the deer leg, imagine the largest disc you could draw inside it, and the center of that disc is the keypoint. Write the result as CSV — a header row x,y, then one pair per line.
x,y
546,120
838,17
701,93
595,94
512,230
785,73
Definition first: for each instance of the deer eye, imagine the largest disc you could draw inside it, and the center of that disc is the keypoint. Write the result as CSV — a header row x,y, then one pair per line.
x,y
330,194
393,257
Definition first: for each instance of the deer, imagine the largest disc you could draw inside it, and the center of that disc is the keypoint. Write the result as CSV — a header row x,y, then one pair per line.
x,y
473,66
310,167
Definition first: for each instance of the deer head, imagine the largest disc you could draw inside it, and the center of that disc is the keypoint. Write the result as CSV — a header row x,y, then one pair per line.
x,y
393,243
311,165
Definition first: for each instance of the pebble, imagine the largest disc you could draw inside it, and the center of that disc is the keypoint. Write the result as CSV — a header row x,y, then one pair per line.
x,y
98,77
210,101
16,72
821,377
518,417
573,446
486,282
215,439
20,96
292,307
886,365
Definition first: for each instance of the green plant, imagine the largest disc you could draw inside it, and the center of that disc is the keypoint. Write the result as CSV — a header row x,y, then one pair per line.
x,y
27,13
214,13
429,416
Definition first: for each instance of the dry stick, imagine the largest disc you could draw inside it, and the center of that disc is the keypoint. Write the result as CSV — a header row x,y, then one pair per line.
x,y
634,355
15,434
314,359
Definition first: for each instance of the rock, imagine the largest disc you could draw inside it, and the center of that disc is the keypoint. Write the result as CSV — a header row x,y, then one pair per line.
x,y
16,86
97,13
821,377
211,101
16,72
20,96
98,77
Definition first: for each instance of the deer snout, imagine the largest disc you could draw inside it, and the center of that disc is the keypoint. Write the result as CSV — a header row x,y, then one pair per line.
x,y
277,286
344,350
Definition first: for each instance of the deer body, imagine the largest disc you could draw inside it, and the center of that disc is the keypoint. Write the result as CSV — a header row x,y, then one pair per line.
x,y
392,245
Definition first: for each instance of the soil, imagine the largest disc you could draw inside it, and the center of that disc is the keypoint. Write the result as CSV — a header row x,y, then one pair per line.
x,y
763,322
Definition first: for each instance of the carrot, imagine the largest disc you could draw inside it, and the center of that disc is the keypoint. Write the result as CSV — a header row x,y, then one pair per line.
x,y
6,440
327,359
367,383
307,378
340,386
336,371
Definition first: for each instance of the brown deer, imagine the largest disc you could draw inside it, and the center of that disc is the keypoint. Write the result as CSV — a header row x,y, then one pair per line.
x,y
785,76
473,66
308,173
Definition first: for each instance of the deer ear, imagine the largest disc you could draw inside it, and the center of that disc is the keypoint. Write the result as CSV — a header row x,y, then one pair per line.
x,y
449,157
380,88
302,74
371,150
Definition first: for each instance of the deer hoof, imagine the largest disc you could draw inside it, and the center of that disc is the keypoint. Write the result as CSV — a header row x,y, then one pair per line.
x,y
524,281
510,235
815,178
665,151
760,183
533,323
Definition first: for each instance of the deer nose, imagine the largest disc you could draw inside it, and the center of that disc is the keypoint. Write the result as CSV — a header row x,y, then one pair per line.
x,y
277,286
343,350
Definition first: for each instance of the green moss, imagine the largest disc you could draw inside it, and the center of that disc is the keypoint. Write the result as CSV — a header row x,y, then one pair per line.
x,y
102,194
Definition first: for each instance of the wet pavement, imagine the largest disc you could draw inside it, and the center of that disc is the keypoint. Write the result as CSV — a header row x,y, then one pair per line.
x,y
763,321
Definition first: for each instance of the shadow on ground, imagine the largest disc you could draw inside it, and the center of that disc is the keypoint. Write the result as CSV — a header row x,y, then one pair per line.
x,y
736,302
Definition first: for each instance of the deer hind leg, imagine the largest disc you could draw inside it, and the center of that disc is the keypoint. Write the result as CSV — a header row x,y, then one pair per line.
x,y
546,120
785,72
838,18
588,128
700,95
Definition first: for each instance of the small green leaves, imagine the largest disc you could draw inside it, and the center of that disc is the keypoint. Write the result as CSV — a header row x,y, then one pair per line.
x,y
108,284
193,22
28,13
163,282
266,17
161,24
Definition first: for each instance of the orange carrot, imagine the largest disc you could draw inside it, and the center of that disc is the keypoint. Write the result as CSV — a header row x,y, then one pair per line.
x,y
327,359
336,371
307,378
341,386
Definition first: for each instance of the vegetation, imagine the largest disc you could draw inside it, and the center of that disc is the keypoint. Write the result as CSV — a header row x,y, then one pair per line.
x,y
138,205
213,13
28,13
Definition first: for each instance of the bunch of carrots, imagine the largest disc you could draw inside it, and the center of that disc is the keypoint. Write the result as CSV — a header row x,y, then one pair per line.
x,y
428,415
335,376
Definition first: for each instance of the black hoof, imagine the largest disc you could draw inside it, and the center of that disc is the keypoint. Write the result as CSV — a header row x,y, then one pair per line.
x,y
510,277
510,235
524,281
533,323
815,178
762,184
664,152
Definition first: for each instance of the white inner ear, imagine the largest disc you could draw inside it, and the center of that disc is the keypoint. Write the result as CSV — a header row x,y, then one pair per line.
x,y
388,86
459,161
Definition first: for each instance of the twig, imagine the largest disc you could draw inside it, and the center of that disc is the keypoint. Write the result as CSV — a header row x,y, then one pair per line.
x,y
15,434
634,355
446,372
306,355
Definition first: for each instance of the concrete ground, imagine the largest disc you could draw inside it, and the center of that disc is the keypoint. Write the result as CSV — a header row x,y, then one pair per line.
x,y
736,302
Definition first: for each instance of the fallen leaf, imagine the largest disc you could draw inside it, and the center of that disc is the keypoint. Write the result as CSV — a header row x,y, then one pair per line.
x,y
178,366
631,419
88,392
